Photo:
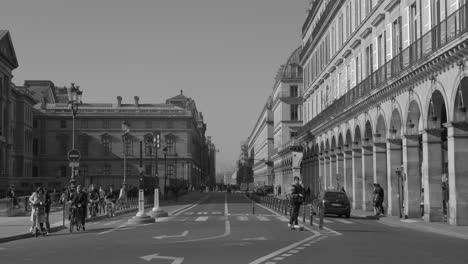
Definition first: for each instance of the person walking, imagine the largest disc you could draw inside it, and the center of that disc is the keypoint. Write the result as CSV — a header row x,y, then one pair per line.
x,y
37,202
378,200
122,201
81,201
297,198
11,194
102,196
48,203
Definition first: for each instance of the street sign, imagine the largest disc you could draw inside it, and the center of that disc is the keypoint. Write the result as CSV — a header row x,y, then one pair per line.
x,y
74,155
73,164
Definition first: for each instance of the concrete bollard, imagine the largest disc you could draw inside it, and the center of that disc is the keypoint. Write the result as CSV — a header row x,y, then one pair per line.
x,y
157,211
311,216
141,217
253,207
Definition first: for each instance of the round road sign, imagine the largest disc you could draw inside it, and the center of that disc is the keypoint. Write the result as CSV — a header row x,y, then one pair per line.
x,y
74,155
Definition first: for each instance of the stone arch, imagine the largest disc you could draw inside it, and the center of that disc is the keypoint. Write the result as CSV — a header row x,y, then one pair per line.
x,y
349,139
333,143
340,140
368,135
437,112
436,88
322,147
413,118
461,101
327,145
395,129
380,129
357,135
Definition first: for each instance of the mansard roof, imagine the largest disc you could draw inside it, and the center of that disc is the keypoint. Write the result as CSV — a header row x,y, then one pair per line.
x,y
7,51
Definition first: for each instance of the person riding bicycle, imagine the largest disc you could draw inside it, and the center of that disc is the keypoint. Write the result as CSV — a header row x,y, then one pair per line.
x,y
80,201
110,198
93,201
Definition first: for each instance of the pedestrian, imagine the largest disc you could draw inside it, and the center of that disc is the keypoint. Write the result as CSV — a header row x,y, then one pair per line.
x,y
11,194
37,202
102,205
279,190
110,200
80,200
307,193
123,196
422,202
445,198
297,198
48,203
378,200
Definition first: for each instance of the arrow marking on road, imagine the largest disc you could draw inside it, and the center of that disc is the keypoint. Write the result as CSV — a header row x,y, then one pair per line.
x,y
165,236
255,238
176,260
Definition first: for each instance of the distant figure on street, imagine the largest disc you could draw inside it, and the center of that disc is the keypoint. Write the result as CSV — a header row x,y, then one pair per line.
x,y
48,204
422,202
307,193
279,189
11,194
297,198
80,200
122,201
378,199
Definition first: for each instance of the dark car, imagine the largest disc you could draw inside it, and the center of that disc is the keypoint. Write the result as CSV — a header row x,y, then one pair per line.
x,y
334,202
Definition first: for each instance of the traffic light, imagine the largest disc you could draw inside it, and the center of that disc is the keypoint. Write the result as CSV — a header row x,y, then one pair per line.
x,y
158,140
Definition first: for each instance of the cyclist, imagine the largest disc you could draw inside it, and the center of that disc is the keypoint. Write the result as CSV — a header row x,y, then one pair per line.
x,y
93,201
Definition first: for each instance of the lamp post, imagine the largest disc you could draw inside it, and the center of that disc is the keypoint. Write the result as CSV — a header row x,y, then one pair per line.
x,y
74,101
165,172
125,135
157,211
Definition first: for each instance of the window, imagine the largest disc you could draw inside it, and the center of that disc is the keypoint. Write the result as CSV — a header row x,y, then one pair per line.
x,y
170,144
63,123
128,170
413,23
62,144
107,169
170,171
35,171
294,112
35,147
106,143
128,146
148,169
84,171
148,145
83,141
84,123
293,134
148,124
369,60
105,123
381,50
358,12
293,91
397,40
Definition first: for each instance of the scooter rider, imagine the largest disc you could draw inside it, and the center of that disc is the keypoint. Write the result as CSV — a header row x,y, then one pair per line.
x,y
80,201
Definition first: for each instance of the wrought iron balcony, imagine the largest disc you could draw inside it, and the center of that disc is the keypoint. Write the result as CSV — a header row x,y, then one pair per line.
x,y
445,32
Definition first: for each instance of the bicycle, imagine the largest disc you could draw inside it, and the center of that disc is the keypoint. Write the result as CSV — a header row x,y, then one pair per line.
x,y
75,218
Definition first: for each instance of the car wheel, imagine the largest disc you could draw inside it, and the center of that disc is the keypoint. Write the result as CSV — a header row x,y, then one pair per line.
x,y
348,215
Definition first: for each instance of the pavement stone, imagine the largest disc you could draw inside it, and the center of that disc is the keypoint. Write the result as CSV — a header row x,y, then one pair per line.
x,y
14,228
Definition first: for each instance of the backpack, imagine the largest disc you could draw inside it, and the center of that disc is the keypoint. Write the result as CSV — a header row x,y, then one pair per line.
x,y
297,189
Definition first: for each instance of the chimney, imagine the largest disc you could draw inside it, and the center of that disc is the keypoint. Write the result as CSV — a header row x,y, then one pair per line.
x,y
119,101
136,100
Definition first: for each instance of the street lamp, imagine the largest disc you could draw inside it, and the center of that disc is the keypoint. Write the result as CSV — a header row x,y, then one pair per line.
x,y
165,171
156,146
74,101
125,137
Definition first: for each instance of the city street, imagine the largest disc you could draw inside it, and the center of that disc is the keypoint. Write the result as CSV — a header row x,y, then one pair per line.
x,y
221,228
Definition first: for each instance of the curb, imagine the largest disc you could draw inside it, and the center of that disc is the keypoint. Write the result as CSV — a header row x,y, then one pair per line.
x,y
429,229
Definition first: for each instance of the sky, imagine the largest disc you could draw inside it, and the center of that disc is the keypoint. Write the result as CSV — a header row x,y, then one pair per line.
x,y
222,53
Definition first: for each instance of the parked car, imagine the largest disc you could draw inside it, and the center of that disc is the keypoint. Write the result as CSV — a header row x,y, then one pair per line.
x,y
334,202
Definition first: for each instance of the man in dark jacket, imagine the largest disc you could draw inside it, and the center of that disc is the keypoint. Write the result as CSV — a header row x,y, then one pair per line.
x,y
80,201
48,203
378,199
297,198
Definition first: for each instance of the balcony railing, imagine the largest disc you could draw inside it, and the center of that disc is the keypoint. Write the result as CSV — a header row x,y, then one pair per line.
x,y
445,32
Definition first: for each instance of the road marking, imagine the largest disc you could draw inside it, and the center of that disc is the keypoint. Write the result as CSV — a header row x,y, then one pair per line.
x,y
191,206
300,248
164,219
201,218
286,255
255,238
270,262
263,218
111,222
166,236
200,213
182,219
242,218
327,221
215,213
409,221
188,213
113,229
227,226
344,221
307,245
2,248
293,251
278,258
176,260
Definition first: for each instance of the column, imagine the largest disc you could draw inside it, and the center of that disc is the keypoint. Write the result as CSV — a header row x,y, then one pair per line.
x,y
333,179
457,135
348,173
357,178
341,181
322,172
394,161
432,175
316,174
380,169
367,178
412,176
326,176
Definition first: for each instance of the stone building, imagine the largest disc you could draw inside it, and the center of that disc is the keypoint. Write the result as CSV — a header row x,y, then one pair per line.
x,y
386,92
99,138
287,118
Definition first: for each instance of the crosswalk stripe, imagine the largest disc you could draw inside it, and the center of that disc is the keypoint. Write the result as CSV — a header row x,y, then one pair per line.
x,y
216,213
344,221
263,218
242,218
201,218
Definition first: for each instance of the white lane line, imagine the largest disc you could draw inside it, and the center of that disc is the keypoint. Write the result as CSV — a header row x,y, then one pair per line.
x,y
263,218
344,221
282,219
327,221
242,218
113,229
293,251
200,213
216,213
286,255
164,219
300,248
201,218
191,206
227,226
188,213
278,258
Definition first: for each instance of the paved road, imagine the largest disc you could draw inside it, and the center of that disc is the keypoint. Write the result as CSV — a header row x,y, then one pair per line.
x,y
222,229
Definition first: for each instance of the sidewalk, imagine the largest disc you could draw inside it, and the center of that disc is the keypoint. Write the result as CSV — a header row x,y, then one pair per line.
x,y
14,228
417,224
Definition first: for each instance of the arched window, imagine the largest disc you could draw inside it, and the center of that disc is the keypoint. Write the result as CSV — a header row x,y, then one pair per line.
x,y
83,141
148,144
106,143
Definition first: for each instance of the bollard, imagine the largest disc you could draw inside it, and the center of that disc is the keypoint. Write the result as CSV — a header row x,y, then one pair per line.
x,y
321,214
157,211
253,207
311,216
303,213
140,217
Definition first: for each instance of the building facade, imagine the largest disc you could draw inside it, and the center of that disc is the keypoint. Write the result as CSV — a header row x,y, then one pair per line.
x,y
385,93
99,138
287,119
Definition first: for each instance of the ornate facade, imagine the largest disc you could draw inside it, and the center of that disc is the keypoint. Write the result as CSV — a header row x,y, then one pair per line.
x,y
385,94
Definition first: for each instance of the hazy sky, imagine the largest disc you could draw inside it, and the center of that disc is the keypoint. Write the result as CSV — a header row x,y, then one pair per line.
x,y
222,53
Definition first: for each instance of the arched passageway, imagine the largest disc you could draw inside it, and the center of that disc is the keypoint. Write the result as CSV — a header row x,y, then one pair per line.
x,y
395,162
357,169
367,168
380,157
333,164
